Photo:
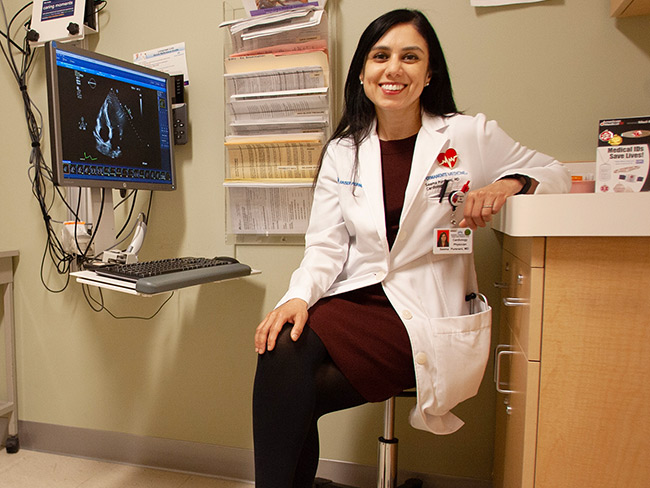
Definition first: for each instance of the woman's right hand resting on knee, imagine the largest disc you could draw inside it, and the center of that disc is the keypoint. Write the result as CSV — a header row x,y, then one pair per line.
x,y
294,312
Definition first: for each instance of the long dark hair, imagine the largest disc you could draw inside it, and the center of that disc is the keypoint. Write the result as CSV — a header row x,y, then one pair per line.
x,y
359,112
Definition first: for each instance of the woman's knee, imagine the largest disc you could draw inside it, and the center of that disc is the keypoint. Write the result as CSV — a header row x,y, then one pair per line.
x,y
293,357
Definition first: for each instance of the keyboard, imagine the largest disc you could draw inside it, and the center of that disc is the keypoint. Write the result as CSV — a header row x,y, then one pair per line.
x,y
170,274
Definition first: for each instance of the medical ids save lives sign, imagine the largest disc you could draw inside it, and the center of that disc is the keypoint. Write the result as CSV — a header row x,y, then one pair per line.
x,y
623,155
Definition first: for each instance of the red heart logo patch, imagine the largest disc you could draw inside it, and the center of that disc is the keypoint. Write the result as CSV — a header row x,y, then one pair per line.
x,y
448,158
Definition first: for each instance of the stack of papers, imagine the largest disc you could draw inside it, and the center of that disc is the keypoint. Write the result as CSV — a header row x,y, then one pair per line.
x,y
282,31
269,208
262,7
285,156
277,92
266,7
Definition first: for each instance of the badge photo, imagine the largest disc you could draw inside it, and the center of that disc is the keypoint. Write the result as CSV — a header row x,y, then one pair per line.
x,y
452,241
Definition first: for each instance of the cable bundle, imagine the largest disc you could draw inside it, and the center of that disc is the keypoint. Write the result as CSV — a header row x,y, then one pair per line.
x,y
20,56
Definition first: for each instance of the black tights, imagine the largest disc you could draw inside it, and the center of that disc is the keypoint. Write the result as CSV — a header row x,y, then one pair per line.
x,y
295,384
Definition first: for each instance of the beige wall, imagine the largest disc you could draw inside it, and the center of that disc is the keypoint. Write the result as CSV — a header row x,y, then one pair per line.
x,y
546,72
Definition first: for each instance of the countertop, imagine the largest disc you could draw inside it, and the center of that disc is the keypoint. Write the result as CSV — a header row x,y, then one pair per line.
x,y
575,214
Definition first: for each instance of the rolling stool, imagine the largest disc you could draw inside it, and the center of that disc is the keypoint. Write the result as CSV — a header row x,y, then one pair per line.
x,y
387,457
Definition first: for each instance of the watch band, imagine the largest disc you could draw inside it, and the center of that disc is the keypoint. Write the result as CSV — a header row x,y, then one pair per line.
x,y
525,180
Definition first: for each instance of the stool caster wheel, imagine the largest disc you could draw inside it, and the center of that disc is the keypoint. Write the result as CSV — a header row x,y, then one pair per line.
x,y
12,445
321,482
324,483
411,483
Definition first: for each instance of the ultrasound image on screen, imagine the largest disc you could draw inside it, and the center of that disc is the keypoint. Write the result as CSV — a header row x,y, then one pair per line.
x,y
109,121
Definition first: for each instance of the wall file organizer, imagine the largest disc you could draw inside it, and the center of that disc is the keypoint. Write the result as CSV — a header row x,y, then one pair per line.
x,y
278,111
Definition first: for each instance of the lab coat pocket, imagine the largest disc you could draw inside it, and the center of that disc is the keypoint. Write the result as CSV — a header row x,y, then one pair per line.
x,y
460,350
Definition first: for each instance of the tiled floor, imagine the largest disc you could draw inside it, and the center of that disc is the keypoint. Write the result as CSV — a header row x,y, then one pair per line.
x,y
31,469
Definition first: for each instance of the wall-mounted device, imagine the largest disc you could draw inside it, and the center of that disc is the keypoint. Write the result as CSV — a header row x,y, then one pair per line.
x,y
180,110
110,128
180,123
62,20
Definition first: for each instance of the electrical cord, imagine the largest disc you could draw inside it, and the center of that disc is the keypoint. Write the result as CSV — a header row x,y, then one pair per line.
x,y
103,4
146,221
133,193
101,307
40,175
8,26
20,60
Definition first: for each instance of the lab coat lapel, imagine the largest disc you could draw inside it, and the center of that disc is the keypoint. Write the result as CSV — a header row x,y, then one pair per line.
x,y
431,140
371,181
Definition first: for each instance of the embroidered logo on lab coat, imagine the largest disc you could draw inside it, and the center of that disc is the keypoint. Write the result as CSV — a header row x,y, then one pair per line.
x,y
348,183
449,158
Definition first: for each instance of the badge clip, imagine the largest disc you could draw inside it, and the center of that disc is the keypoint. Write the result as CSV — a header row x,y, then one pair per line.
x,y
457,198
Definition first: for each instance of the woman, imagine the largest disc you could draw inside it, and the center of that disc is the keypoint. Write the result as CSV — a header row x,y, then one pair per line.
x,y
371,310
443,238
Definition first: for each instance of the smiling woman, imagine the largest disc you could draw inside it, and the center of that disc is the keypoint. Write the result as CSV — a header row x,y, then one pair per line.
x,y
372,311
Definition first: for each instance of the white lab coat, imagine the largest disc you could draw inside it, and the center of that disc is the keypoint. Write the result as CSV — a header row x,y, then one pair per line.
x,y
346,249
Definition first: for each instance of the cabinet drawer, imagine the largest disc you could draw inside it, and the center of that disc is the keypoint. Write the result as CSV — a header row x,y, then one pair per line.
x,y
521,305
531,250
516,418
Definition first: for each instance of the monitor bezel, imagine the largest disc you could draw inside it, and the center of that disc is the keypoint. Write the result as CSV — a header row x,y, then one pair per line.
x,y
56,136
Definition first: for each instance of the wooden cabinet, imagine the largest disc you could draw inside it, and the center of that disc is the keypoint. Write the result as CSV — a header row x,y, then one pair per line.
x,y
576,414
628,8
517,362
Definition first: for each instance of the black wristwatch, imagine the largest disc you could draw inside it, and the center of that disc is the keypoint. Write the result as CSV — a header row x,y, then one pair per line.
x,y
525,180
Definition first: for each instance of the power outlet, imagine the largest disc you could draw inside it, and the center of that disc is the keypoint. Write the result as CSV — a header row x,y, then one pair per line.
x,y
179,115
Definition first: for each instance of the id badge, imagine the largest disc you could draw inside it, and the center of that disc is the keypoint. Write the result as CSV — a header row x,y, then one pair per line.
x,y
453,241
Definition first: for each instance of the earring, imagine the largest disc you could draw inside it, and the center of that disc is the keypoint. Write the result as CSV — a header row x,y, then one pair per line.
x,y
361,81
426,84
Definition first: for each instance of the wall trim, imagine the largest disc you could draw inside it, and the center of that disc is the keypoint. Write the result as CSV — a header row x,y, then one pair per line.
x,y
194,457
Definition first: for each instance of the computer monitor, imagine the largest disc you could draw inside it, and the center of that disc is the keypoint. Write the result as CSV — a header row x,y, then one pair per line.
x,y
110,124
110,121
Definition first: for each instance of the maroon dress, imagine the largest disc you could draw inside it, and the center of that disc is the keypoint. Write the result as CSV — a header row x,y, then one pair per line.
x,y
360,329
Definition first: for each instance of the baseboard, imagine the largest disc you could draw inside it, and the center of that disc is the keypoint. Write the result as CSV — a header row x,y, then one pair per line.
x,y
194,457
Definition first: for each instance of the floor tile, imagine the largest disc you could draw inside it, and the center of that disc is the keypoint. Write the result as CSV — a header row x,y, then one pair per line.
x,y
31,469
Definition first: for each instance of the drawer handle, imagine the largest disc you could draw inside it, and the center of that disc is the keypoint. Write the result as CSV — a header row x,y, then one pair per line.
x,y
500,354
500,284
497,350
515,302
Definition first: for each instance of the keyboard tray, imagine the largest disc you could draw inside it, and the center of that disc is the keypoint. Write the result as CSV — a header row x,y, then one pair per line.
x,y
191,277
